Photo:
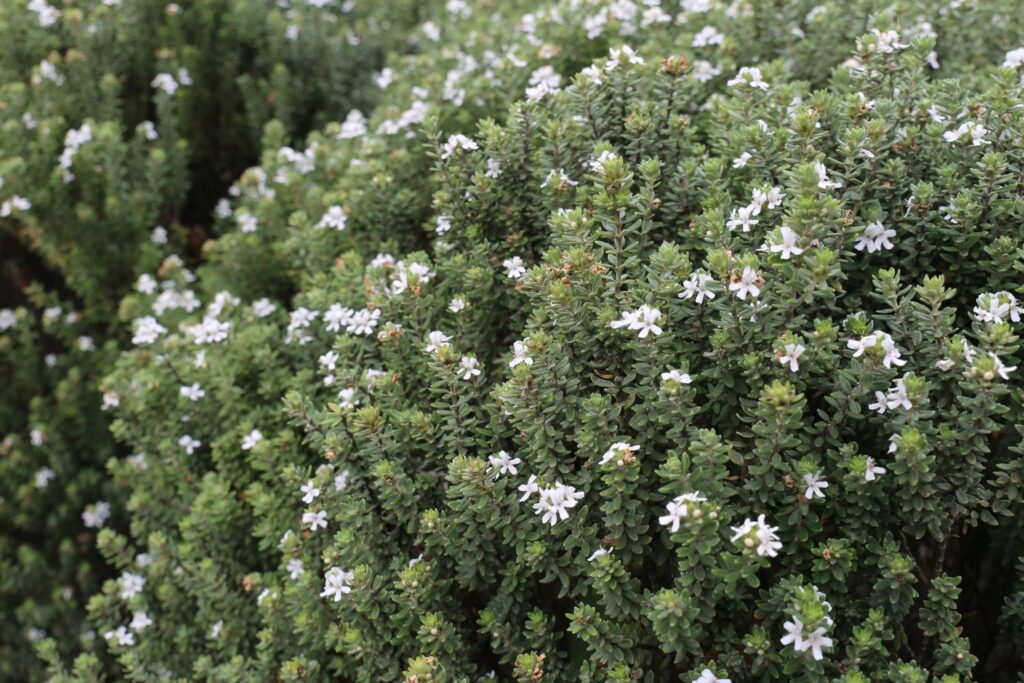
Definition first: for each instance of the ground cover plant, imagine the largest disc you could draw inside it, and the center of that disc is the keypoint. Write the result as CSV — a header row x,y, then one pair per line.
x,y
649,343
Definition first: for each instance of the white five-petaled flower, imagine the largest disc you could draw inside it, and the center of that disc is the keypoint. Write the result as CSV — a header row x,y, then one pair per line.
x,y
815,641
124,637
681,507
295,569
130,585
337,582
192,392
315,520
250,440
741,162
872,470
140,620
503,463
468,367
823,180
457,142
333,218
643,320
617,448
555,503
600,552
786,246
189,444
743,218
457,305
746,284
435,340
696,287
975,131
310,492
749,76
792,356
816,486
892,354
519,355
514,267
147,330
874,237
529,488
759,536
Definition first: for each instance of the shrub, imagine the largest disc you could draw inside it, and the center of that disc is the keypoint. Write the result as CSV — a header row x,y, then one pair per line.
x,y
120,125
672,379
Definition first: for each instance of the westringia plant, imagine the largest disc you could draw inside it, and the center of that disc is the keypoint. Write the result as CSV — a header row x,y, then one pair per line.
x,y
699,381
121,122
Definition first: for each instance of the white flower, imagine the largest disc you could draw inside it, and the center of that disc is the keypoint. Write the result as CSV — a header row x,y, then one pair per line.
x,y
165,82
794,634
341,481
216,629
436,340
679,508
816,640
600,552
673,375
130,585
816,486
519,355
514,267
787,247
616,448
886,42
347,399
757,534
746,284
310,492
337,582
709,35
792,356
354,126
493,168
529,488
1014,58
643,320
875,237
456,142
337,317
189,444
502,463
823,181
251,439
363,322
333,218
147,330
871,470
555,503
741,160
696,287
743,218
976,131
598,165
124,637
997,307
469,367
140,620
295,569
708,676
43,477
315,520
192,392
246,221
892,353
96,515
749,76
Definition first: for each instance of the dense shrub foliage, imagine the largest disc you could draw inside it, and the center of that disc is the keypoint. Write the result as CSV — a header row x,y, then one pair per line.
x,y
618,342
120,124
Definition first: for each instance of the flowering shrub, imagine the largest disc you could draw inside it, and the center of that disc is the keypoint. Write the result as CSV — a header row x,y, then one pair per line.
x,y
663,377
120,123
